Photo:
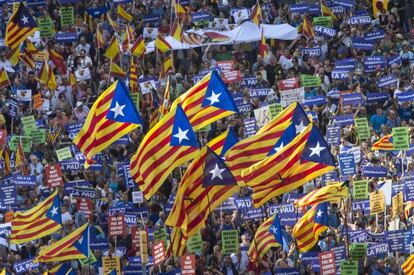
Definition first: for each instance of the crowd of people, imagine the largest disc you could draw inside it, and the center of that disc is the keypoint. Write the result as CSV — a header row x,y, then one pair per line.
x,y
65,108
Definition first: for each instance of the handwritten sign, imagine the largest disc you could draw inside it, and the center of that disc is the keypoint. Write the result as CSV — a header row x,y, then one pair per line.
x,y
360,190
158,252
376,202
116,225
53,175
188,264
362,128
111,263
327,263
400,138
67,16
230,241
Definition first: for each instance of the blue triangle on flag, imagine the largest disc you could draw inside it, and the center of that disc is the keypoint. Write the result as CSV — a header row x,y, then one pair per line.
x,y
216,171
288,135
321,215
23,18
122,108
54,211
218,95
182,131
276,229
82,244
316,149
229,142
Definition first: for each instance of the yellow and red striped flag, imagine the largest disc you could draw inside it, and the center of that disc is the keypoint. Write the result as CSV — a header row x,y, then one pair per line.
x,y
35,223
130,32
202,105
116,71
256,148
385,144
326,11
26,56
107,121
112,52
303,159
21,24
195,199
133,77
264,239
177,246
263,51
166,100
307,28
177,31
13,56
4,79
168,65
333,193
138,49
125,43
74,246
47,77
21,160
113,24
180,10
161,44
99,38
58,60
124,14
307,230
408,266
256,15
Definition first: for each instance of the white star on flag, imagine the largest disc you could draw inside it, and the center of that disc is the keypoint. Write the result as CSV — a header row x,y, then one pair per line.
x,y
319,213
25,19
214,98
216,172
277,149
80,240
181,135
316,150
54,211
300,127
118,110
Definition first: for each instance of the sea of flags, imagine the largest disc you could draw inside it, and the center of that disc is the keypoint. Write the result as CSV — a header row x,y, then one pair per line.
x,y
332,193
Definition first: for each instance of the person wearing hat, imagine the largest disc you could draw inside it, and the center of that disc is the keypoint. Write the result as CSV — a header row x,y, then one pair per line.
x,y
81,112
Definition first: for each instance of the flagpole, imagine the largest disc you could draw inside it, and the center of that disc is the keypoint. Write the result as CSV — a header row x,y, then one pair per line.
x,y
109,73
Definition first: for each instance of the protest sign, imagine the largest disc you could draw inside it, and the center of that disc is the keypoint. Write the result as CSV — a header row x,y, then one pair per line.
x,y
360,20
21,180
64,153
298,8
24,95
46,27
324,31
287,97
327,263
248,81
8,193
360,43
397,204
358,251
158,252
37,101
29,123
135,237
376,202
88,261
287,84
315,100
387,80
377,249
374,171
116,225
137,197
230,77
307,80
400,138
83,192
315,51
26,143
160,234
347,164
275,109
262,116
195,244
111,263
333,134
259,92
312,259
226,66
84,205
230,241
53,175
188,264
67,17
325,21
360,190
38,136
362,128
143,246
349,268
23,267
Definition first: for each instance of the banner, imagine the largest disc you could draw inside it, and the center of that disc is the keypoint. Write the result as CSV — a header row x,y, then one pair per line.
x,y
259,92
360,20
360,190
82,192
362,44
66,37
67,17
377,249
375,171
21,180
400,138
405,96
229,241
324,31
315,100
346,64
53,175
298,8
387,81
353,99
344,120
307,80
377,97
287,97
376,202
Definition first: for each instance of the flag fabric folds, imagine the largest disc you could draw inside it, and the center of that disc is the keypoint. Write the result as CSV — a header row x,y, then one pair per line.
x,y
112,52
263,51
116,71
26,56
4,79
168,65
195,199
166,100
107,121
264,239
177,31
138,48
72,247
333,193
21,24
124,14
326,11
385,143
408,266
202,105
58,60
13,56
307,230
303,159
161,44
307,28
46,76
177,245
256,148
40,221
62,269
133,77
256,15
99,38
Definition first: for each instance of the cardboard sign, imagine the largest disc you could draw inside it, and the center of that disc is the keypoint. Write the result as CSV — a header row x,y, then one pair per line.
x,y
397,204
287,97
287,84
137,197
230,241
29,123
195,244
349,268
111,263
67,17
327,263
358,251
117,225
38,136
84,205
53,175
158,252
46,27
307,80
143,246
275,109
188,264
400,138
376,202
362,128
26,143
64,153
360,190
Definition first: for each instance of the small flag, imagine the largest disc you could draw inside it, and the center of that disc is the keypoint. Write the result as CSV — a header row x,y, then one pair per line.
x,y
99,38
124,14
21,24
138,49
4,79
26,56
256,15
162,45
112,52
116,71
